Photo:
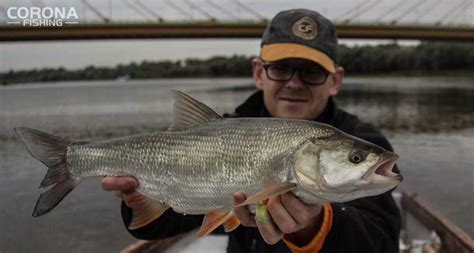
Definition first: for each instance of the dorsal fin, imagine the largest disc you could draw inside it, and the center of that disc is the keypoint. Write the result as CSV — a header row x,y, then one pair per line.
x,y
189,112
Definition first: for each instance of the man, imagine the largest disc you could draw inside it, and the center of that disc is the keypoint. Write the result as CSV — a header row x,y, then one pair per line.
x,y
296,76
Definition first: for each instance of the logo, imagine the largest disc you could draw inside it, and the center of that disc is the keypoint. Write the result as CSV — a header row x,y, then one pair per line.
x,y
305,28
42,16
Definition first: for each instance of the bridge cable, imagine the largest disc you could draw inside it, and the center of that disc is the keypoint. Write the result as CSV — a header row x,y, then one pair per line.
x,y
451,13
95,11
136,9
200,10
462,12
390,10
149,10
429,9
218,7
360,12
37,3
179,9
5,14
258,15
408,11
354,8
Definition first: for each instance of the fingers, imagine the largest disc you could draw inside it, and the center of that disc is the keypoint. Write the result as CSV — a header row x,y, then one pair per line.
x,y
246,218
118,194
270,232
288,215
133,199
282,222
302,213
123,184
124,188
281,216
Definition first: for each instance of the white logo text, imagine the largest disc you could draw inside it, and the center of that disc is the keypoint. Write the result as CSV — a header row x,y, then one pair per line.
x,y
42,16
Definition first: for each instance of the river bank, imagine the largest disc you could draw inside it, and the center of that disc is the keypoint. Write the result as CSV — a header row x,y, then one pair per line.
x,y
425,59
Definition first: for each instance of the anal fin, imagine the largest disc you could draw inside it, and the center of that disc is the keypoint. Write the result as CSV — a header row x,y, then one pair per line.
x,y
214,219
232,223
148,211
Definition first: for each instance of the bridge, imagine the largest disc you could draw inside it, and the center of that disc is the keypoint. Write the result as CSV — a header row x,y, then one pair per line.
x,y
439,20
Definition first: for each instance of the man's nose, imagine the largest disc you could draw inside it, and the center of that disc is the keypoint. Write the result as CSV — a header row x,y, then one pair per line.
x,y
295,82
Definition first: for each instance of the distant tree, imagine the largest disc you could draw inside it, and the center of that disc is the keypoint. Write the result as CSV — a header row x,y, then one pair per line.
x,y
393,58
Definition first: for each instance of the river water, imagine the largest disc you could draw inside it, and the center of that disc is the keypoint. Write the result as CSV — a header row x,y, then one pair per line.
x,y
429,121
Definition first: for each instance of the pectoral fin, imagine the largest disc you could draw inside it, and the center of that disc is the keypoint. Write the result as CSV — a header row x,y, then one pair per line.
x,y
148,211
214,219
268,193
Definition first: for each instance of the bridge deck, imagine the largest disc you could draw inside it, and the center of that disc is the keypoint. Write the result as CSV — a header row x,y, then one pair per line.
x,y
222,30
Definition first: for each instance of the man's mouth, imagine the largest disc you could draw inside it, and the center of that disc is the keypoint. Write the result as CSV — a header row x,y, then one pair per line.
x,y
382,171
293,99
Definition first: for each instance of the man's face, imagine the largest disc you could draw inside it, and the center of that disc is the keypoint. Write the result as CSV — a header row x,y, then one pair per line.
x,y
295,98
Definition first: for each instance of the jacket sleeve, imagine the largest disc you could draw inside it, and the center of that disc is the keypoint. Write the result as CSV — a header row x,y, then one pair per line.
x,y
167,225
370,224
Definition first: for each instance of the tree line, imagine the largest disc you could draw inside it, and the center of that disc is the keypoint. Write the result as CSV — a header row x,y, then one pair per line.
x,y
423,59
426,58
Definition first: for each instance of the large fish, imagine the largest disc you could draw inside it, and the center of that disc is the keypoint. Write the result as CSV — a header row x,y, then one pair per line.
x,y
202,159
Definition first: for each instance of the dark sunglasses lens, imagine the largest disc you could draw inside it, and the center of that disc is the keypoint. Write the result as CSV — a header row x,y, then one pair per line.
x,y
314,76
279,73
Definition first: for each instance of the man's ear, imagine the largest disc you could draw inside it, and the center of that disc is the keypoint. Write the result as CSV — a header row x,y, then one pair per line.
x,y
336,83
257,71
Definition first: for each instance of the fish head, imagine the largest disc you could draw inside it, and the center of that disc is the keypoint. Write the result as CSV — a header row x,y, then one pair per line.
x,y
342,168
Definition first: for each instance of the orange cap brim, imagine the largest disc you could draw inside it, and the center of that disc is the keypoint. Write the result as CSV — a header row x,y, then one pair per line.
x,y
280,51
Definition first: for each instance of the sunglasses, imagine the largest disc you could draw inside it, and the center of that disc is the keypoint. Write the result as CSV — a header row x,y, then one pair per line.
x,y
312,75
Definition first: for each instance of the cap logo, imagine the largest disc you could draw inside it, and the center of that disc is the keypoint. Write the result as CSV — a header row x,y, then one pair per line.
x,y
305,28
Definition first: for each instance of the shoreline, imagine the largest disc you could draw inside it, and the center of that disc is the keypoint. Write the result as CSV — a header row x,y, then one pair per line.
x,y
454,74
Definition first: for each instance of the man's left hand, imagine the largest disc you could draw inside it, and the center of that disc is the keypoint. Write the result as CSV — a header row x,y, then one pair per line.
x,y
289,216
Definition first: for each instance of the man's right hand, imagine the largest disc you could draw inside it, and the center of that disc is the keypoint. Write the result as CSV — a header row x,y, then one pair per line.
x,y
124,188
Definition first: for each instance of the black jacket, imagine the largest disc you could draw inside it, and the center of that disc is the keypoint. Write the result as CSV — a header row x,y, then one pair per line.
x,y
370,224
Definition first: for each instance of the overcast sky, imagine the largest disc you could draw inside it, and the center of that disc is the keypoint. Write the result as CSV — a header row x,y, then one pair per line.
x,y
77,54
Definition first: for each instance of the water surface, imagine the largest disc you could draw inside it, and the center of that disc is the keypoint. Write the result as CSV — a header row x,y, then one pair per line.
x,y
429,121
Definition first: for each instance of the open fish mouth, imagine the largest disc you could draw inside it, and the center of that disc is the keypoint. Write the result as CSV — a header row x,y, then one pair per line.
x,y
382,171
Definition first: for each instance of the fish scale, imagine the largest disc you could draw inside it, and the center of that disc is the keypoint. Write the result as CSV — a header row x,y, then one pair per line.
x,y
195,170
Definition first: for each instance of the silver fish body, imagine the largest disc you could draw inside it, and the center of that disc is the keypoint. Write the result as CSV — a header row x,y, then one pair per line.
x,y
198,164
197,170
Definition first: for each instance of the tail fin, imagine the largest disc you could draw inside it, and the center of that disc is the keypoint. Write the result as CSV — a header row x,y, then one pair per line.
x,y
51,151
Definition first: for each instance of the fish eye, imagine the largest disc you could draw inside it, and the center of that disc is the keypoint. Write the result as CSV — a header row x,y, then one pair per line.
x,y
357,156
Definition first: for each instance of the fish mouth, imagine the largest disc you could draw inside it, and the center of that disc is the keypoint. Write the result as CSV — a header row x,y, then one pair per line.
x,y
382,172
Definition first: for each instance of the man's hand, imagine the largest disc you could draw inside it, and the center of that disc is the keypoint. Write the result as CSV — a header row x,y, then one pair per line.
x,y
289,216
124,188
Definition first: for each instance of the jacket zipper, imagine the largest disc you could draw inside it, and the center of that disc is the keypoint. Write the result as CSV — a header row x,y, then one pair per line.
x,y
253,246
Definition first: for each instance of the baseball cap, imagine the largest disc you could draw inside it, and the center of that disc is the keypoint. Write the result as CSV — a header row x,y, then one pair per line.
x,y
300,33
